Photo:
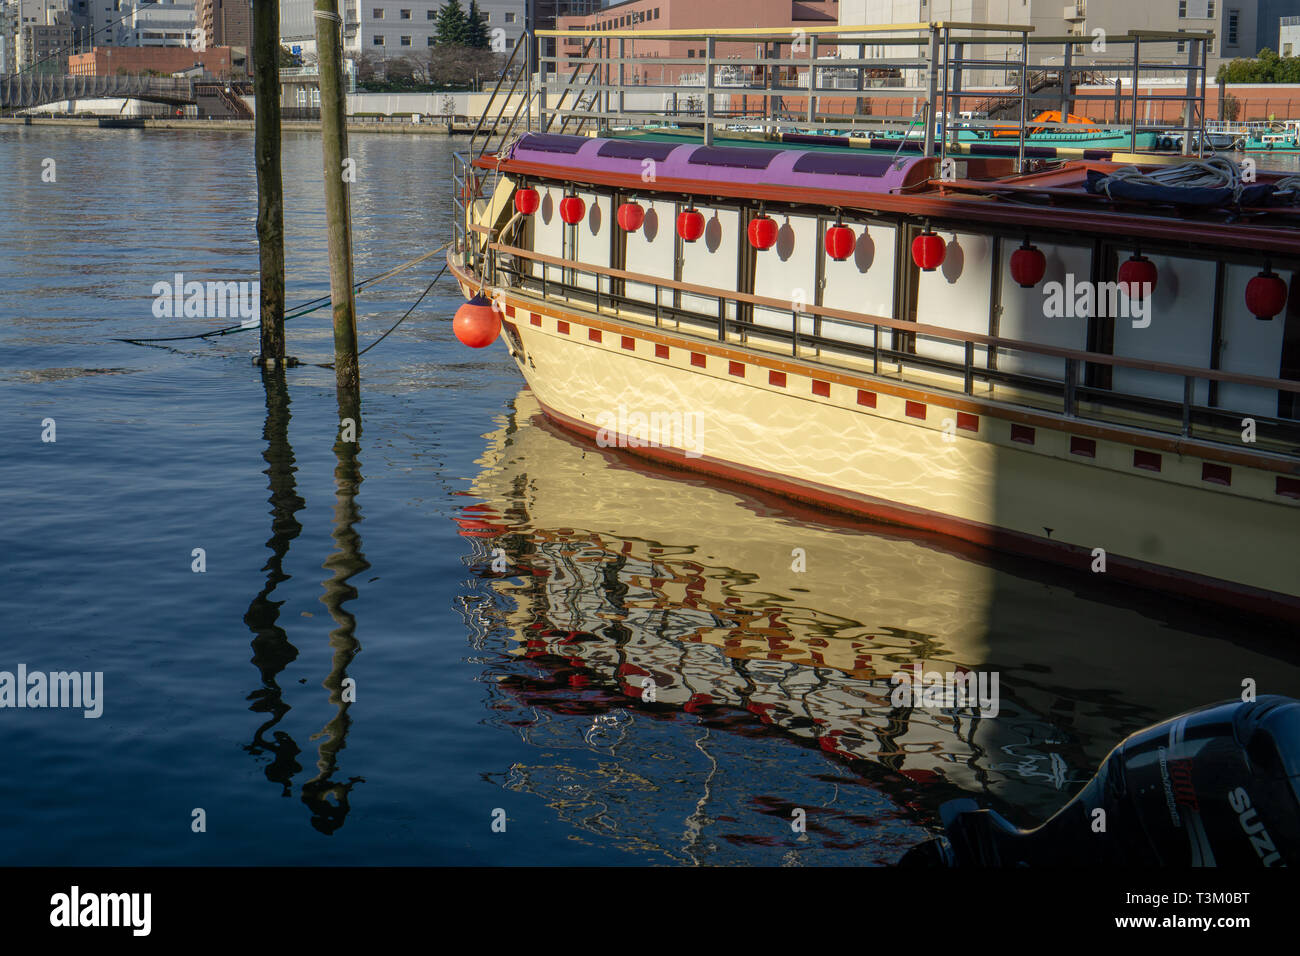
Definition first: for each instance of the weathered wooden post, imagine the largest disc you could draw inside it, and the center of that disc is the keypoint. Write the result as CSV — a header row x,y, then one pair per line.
x,y
270,192
338,172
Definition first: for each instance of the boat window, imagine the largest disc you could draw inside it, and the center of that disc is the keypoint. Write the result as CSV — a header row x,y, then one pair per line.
x,y
553,143
843,164
738,157
622,150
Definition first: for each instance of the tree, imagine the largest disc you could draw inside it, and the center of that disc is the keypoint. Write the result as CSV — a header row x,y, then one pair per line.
x,y
476,31
458,67
286,58
1268,67
453,27
1231,108
368,67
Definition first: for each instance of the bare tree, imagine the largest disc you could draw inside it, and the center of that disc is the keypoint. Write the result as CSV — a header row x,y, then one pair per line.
x,y
461,66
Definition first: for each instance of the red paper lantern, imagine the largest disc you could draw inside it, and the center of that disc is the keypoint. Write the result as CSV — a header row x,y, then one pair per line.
x,y
527,201
840,242
1136,276
762,232
928,251
572,209
630,216
477,323
690,224
1028,265
1266,295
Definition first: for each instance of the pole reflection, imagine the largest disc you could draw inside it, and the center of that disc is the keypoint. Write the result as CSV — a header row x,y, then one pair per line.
x,y
327,797
272,650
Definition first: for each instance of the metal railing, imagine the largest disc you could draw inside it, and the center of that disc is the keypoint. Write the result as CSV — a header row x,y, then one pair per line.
x,y
833,79
893,350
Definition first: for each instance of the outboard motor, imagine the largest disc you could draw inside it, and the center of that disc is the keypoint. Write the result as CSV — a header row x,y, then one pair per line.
x,y
1218,786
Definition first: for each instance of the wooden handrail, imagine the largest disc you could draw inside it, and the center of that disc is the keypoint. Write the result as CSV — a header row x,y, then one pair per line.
x,y
880,321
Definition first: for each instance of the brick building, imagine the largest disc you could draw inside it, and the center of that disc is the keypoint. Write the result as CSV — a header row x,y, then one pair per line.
x,y
691,15
109,61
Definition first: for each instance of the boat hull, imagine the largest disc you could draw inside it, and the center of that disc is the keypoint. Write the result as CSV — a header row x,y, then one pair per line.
x,y
905,459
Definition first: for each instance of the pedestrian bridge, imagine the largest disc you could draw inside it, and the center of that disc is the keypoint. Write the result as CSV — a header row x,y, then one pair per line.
x,y
20,91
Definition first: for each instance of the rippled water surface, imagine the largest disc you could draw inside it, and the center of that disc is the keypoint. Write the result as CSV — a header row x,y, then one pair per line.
x,y
497,593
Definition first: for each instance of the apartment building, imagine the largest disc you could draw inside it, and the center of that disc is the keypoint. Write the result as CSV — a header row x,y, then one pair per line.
x,y
1235,24
397,28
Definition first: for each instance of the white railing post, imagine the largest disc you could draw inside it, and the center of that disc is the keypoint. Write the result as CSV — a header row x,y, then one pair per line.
x,y
932,90
710,48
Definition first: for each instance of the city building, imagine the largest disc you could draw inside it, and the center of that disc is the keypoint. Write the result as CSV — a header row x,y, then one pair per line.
x,y
44,35
170,23
1288,42
1272,13
110,61
225,23
690,15
8,36
1235,24
398,28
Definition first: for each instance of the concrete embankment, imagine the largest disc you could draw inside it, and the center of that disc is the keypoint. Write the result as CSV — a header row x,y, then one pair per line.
x,y
359,126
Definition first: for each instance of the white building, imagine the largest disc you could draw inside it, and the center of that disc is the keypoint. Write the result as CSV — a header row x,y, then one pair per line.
x,y
1234,22
1288,36
161,23
392,28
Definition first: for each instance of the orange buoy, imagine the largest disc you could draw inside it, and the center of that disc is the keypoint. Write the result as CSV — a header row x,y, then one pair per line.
x,y
477,323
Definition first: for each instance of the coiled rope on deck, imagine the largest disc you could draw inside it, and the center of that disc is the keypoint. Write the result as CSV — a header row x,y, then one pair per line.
x,y
1214,173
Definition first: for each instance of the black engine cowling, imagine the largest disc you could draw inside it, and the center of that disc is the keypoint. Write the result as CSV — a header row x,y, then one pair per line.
x,y
1218,786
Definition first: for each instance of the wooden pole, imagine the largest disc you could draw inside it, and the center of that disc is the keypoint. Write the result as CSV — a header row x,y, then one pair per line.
x,y
270,192
334,144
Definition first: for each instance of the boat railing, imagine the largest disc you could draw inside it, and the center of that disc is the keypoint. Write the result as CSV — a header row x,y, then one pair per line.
x,y
1082,392
877,79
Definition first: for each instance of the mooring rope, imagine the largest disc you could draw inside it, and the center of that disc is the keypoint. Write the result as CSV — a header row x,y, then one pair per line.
x,y
404,317
1214,173
305,308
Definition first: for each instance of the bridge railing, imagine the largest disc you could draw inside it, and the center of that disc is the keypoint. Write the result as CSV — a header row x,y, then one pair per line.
x,y
26,90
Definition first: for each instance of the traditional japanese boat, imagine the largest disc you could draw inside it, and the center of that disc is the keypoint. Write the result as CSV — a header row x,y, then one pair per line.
x,y
1022,352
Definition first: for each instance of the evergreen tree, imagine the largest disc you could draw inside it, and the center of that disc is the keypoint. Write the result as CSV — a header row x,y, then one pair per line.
x,y
453,27
476,31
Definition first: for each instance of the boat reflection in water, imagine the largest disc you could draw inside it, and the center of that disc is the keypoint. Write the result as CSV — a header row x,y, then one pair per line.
x,y
620,575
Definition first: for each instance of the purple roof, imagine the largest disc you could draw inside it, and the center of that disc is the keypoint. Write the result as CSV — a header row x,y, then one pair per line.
x,y
816,168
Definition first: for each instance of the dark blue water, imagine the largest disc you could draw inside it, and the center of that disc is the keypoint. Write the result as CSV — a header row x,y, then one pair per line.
x,y
476,688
